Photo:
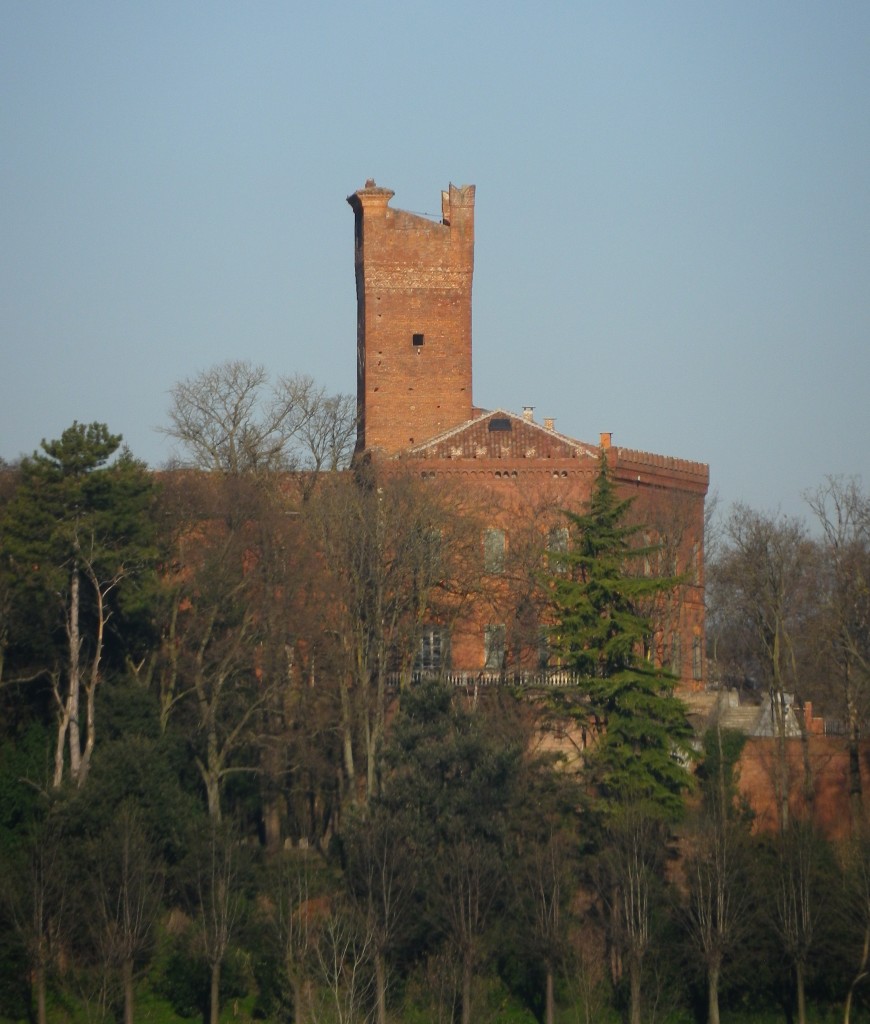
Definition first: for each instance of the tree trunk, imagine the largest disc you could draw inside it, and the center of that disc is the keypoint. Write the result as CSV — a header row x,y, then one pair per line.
x,y
93,678
271,822
713,995
214,1001
62,731
381,988
270,777
549,998
801,995
127,976
39,985
211,773
781,771
856,797
467,975
370,757
634,981
862,973
299,1016
75,681
347,739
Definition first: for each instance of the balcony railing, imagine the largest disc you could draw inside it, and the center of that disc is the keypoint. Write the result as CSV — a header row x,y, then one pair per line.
x,y
546,678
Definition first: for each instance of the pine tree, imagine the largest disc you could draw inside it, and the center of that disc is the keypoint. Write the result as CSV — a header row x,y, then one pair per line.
x,y
78,538
644,735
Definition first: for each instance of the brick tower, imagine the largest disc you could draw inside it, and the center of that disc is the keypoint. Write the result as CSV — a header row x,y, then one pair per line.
x,y
413,294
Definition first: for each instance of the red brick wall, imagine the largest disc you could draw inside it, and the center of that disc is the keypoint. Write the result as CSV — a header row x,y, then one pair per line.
x,y
413,276
827,758
525,496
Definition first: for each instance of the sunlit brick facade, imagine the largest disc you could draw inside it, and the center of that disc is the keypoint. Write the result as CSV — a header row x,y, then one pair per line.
x,y
414,284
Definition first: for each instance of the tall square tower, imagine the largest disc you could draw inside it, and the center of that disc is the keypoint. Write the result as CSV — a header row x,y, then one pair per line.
x,y
413,293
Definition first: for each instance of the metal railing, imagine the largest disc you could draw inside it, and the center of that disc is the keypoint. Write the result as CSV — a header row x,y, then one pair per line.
x,y
545,678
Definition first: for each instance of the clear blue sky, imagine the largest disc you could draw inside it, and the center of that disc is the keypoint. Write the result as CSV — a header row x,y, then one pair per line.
x,y
673,211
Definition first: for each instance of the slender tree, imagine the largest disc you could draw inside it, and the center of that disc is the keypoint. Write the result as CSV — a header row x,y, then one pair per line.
x,y
639,763
79,535
718,903
643,734
797,900
382,877
763,587
386,542
219,902
842,509
33,892
126,887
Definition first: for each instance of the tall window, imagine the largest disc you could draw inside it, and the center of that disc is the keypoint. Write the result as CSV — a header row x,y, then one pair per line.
x,y
557,549
493,648
433,654
697,660
543,649
493,550
676,654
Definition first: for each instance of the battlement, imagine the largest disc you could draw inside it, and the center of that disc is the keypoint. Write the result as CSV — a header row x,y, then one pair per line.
x,y
698,472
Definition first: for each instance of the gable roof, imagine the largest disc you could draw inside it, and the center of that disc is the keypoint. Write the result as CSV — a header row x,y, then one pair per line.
x,y
499,434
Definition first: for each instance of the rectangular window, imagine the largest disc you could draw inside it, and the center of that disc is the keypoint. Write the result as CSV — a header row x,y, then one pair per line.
x,y
493,550
697,660
417,339
493,648
557,549
499,423
676,655
543,649
433,654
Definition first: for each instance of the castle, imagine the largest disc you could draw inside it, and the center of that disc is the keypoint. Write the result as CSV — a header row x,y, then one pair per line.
x,y
414,404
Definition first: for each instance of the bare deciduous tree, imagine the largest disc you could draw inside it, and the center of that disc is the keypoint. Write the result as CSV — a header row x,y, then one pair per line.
x,y
762,588
718,897
389,543
549,879
126,888
796,900
33,889
299,911
629,874
843,511
219,905
381,876
342,959
232,418
469,882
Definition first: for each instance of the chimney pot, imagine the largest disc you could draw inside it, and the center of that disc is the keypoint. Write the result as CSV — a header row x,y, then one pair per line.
x,y
605,440
549,423
529,413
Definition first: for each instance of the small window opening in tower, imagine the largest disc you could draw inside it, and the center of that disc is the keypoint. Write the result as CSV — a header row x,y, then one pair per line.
x,y
417,339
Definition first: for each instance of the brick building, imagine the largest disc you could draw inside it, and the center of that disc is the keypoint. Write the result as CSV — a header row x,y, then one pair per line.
x,y
414,394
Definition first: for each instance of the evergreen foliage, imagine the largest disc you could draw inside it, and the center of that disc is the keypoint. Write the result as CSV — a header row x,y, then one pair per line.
x,y
72,508
644,742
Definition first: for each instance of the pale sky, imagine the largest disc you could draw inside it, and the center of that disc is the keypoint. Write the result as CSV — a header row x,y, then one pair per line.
x,y
672,221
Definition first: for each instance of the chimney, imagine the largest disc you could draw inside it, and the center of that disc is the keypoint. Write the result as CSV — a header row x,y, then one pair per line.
x,y
550,423
529,413
605,440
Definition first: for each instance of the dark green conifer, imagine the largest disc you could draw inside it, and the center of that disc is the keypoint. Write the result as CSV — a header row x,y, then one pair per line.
x,y
644,737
